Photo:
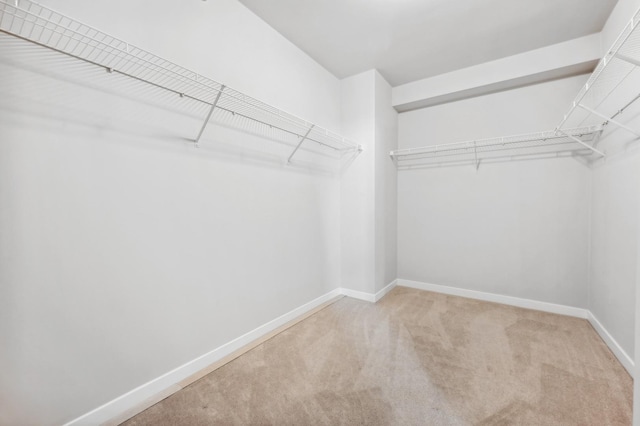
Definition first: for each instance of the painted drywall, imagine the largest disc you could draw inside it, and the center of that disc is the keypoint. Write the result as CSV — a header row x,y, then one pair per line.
x,y
386,213
125,251
547,63
516,228
357,185
614,284
636,383
619,18
614,244
616,205
368,186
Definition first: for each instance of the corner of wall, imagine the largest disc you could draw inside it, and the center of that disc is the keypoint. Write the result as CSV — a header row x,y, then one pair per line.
x,y
589,236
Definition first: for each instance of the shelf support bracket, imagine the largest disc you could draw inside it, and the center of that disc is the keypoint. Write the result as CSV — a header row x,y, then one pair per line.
x,y
206,120
610,120
475,152
300,143
628,59
596,139
586,145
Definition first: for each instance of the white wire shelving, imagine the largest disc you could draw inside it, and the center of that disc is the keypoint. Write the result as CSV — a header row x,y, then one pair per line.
x,y
612,87
571,142
34,23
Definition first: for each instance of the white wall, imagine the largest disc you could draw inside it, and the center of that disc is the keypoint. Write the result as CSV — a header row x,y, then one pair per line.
x,y
357,185
620,16
569,58
614,267
514,228
616,206
124,251
386,212
368,186
614,244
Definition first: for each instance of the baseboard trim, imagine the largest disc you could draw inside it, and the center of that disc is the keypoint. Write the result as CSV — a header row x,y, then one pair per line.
x,y
139,399
498,298
608,339
360,295
382,293
624,358
368,297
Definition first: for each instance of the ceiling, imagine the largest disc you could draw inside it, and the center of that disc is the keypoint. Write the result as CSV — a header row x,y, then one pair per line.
x,y
408,40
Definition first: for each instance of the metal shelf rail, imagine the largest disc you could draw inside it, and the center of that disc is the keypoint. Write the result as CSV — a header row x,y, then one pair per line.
x,y
612,87
32,22
576,142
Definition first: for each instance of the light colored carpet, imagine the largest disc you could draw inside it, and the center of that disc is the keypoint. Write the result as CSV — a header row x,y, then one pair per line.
x,y
414,358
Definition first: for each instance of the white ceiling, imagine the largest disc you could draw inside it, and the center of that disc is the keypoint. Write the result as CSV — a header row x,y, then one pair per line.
x,y
407,40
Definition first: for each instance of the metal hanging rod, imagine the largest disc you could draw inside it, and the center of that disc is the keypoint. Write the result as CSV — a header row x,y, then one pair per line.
x,y
568,146
467,162
479,150
539,137
29,21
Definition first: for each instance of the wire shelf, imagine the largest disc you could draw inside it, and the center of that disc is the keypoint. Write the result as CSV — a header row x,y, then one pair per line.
x,y
579,141
30,21
612,87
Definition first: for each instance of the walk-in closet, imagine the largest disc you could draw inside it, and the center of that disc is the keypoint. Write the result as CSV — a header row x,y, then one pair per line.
x,y
340,212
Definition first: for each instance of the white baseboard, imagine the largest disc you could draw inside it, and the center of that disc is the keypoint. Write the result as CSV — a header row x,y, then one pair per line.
x,y
369,297
163,386
143,396
498,298
382,293
617,350
360,295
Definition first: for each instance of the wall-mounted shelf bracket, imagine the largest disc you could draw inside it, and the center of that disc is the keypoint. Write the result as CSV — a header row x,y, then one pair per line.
x,y
627,59
300,143
609,119
475,153
586,145
206,120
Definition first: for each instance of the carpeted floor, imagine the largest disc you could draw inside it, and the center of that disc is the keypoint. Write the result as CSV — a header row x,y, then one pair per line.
x,y
414,358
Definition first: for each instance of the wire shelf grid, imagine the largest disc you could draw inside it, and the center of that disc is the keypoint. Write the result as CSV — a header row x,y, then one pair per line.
x,y
612,86
573,141
45,27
